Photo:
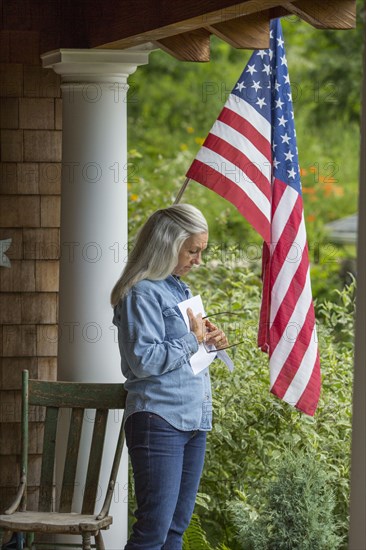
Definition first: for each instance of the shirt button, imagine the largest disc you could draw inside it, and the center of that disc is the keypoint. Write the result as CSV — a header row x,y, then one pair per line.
x,y
206,373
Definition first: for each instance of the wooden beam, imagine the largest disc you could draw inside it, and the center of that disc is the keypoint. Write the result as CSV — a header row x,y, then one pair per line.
x,y
325,14
188,46
279,11
251,31
119,25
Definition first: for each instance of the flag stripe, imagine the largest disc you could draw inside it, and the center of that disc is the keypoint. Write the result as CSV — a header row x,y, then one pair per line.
x,y
310,396
233,173
246,129
284,346
248,169
297,357
303,374
205,174
247,112
288,304
284,201
241,143
285,263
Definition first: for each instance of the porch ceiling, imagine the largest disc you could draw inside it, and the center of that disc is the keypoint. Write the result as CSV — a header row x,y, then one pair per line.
x,y
183,27
180,27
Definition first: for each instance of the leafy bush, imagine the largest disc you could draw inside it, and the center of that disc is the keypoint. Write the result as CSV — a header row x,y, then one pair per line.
x,y
195,537
297,511
252,429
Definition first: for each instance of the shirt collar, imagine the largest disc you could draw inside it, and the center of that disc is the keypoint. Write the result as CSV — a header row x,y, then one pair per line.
x,y
175,282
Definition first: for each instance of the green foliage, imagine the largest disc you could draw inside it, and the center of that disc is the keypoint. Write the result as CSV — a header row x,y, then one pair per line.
x,y
339,315
297,511
332,268
332,62
195,537
252,429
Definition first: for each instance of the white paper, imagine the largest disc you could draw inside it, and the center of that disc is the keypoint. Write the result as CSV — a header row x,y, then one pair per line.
x,y
201,359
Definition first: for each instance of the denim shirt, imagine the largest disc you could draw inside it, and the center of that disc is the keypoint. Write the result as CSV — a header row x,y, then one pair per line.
x,y
156,347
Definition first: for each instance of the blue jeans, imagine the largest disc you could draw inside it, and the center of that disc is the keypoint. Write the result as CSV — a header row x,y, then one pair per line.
x,y
167,465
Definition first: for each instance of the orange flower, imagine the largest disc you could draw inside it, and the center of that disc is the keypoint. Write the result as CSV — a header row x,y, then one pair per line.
x,y
328,188
310,218
134,197
303,172
309,190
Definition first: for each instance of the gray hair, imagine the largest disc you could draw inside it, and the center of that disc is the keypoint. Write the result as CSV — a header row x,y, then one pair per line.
x,y
157,246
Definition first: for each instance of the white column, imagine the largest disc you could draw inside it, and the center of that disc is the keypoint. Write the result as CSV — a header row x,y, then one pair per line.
x,y
93,226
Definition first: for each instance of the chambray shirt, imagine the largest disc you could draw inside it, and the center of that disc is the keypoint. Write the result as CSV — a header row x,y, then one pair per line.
x,y
156,347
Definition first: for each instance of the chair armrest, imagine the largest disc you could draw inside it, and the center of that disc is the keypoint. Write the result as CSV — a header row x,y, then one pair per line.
x,y
21,490
112,480
107,501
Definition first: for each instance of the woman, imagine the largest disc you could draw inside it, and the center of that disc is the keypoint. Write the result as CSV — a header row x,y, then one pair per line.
x,y
168,408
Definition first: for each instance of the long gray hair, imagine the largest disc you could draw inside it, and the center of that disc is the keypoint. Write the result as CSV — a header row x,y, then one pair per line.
x,y
156,250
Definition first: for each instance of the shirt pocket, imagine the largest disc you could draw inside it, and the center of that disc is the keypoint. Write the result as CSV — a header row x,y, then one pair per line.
x,y
175,326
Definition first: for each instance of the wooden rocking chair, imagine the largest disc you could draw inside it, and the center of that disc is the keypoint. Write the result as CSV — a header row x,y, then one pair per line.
x,y
77,397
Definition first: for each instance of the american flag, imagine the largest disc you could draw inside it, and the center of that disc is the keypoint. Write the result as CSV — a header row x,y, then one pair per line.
x,y
250,158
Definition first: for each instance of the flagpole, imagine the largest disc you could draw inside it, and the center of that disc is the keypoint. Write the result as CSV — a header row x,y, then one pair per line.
x,y
181,190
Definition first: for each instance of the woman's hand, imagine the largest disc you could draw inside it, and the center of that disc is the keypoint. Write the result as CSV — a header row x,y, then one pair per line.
x,y
197,325
215,336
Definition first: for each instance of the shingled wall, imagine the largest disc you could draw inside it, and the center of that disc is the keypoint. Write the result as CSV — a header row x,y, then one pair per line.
x,y
30,183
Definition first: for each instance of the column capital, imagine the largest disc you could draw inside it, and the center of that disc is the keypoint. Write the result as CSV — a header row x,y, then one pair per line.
x,y
96,64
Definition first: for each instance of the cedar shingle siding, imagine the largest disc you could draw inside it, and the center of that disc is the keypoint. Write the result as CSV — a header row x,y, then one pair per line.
x,y
30,185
